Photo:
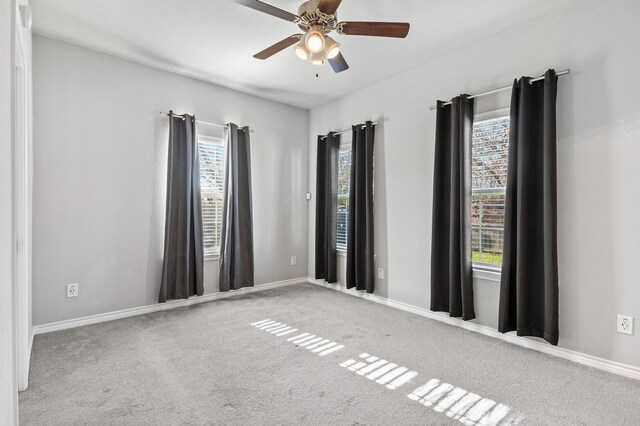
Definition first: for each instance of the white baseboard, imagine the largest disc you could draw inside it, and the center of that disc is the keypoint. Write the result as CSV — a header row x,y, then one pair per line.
x,y
579,357
173,304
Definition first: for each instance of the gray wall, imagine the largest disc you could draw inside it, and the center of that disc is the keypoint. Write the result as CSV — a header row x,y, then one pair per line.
x,y
8,386
598,173
100,175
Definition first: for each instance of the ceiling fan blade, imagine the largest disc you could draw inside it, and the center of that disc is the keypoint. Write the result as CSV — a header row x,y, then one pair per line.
x,y
267,8
281,45
376,29
329,6
338,63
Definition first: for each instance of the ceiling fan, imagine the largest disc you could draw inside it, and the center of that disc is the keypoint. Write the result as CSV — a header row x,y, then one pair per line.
x,y
317,18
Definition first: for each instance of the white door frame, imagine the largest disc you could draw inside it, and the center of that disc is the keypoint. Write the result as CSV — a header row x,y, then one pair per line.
x,y
22,209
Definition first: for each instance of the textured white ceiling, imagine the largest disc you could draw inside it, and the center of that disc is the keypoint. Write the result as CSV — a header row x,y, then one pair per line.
x,y
214,40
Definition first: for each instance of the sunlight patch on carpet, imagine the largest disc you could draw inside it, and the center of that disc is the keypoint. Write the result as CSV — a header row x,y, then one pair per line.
x,y
382,371
315,344
468,408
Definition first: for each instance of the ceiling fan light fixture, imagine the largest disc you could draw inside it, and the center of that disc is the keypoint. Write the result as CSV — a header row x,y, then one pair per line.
x,y
332,48
302,51
318,58
317,19
314,40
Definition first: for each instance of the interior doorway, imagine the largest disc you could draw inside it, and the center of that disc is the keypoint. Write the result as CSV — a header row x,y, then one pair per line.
x,y
22,205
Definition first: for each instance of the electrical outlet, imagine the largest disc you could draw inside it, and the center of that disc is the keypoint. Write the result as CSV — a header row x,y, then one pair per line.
x,y
308,195
72,290
381,273
294,261
625,324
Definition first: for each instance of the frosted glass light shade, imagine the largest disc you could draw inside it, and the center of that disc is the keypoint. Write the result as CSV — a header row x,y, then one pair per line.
x,y
314,39
318,58
331,47
302,51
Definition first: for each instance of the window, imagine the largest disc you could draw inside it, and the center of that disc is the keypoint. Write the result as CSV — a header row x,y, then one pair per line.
x,y
344,178
489,180
211,152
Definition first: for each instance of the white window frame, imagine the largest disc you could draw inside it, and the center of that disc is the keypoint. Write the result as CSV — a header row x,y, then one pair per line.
x,y
213,254
487,271
342,248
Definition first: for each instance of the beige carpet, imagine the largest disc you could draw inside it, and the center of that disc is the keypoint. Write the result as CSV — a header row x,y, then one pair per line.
x,y
307,355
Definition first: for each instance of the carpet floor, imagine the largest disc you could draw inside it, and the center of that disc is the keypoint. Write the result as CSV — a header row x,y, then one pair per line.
x,y
305,355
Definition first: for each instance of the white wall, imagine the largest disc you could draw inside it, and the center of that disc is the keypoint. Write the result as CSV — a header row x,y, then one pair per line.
x,y
598,173
8,385
100,153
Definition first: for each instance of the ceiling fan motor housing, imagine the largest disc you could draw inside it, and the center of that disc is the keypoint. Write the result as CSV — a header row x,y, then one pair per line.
x,y
310,15
309,6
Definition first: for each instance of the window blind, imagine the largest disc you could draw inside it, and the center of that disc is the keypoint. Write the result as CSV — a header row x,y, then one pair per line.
x,y
211,152
344,177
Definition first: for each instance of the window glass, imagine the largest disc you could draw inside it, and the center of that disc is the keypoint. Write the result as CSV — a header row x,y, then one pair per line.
x,y
489,181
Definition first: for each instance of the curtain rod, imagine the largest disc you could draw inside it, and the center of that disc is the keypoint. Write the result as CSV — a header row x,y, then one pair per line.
x,y
203,122
348,130
491,92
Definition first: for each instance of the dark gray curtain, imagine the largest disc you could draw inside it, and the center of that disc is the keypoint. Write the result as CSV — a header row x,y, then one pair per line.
x,y
182,267
360,249
529,282
451,273
327,207
236,245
